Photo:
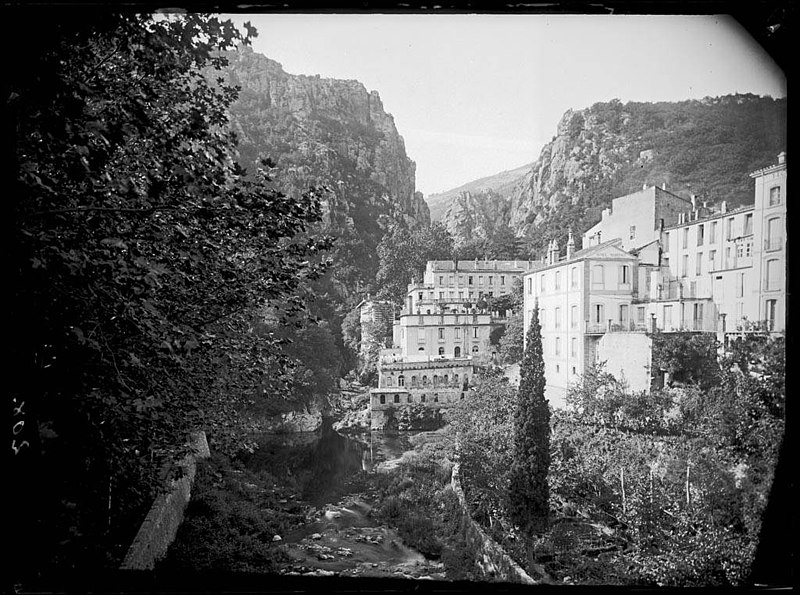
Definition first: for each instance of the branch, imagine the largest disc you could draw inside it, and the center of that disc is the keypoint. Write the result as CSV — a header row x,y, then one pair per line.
x,y
142,212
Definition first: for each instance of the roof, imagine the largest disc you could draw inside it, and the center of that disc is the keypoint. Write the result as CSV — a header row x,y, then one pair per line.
x,y
481,265
609,249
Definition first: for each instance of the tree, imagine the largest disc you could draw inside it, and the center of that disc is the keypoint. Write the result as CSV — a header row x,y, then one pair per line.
x,y
403,255
144,261
528,489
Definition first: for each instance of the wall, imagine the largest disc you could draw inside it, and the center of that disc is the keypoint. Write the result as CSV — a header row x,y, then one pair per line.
x,y
160,526
493,560
627,355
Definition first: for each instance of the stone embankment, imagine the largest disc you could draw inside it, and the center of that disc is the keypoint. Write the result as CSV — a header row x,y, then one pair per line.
x,y
493,560
161,524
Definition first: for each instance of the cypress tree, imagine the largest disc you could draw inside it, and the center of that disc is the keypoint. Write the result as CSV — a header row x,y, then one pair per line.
x,y
528,489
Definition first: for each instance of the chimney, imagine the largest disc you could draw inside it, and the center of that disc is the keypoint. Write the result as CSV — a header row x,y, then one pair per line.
x,y
644,186
781,157
570,246
663,185
694,201
723,207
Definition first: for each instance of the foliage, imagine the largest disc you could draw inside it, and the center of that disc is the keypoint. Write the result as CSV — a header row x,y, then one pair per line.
x,y
687,357
145,262
483,422
418,500
419,417
512,341
403,255
230,522
678,483
528,488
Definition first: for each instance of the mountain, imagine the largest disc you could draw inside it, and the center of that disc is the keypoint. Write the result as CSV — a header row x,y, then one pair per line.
x,y
331,133
705,147
502,184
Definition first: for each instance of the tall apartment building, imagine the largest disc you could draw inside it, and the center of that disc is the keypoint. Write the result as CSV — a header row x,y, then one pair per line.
x,y
704,270
442,335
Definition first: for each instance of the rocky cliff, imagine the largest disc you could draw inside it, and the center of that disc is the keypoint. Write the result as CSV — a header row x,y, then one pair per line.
x,y
705,147
331,133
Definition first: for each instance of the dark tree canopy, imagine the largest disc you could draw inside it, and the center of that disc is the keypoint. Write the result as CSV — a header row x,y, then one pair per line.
x,y
528,491
144,262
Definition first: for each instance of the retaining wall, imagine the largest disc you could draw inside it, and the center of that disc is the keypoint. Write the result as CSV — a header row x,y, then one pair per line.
x,y
161,524
493,561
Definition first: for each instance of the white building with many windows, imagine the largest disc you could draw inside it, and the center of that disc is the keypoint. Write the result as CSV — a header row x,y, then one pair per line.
x,y
709,269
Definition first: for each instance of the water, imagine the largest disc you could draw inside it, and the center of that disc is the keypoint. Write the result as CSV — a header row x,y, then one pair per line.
x,y
334,477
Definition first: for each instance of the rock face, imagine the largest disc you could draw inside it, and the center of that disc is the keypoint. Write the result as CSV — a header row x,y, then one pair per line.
x,y
706,147
331,133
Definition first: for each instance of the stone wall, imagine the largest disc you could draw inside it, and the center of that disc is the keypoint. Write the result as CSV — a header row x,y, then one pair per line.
x,y
161,524
493,560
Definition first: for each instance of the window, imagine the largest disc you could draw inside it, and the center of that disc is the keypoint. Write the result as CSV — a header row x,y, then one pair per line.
x,y
455,379
383,399
541,283
558,280
474,332
502,279
573,277
480,280
441,279
740,285
441,334
729,229
685,237
557,320
424,380
771,307
457,352
413,381
623,314
435,380
624,274
667,317
598,276
397,398
422,398
748,224
469,280
460,295
410,399
712,257
598,313
530,285
558,345
450,280
401,381
420,296
574,347
573,317
441,295
698,264
441,350
666,242
774,239
444,379
389,381
458,332
475,349
774,196
640,315
684,265
700,234
698,315
633,232
728,257
712,233
773,275
490,279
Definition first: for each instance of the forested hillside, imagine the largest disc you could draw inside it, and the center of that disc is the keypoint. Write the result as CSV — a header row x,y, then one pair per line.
x,y
706,147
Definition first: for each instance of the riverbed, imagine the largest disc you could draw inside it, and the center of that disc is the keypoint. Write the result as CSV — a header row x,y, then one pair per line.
x,y
334,480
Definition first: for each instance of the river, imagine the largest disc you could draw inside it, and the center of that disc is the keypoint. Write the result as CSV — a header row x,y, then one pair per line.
x,y
334,476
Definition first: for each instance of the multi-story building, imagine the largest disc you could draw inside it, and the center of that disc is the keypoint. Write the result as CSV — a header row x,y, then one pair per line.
x,y
708,269
443,334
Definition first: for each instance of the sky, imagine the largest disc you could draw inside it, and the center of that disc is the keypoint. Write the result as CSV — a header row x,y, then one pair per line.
x,y
477,94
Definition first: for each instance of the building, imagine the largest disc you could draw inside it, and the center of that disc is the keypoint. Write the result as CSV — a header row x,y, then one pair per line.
x,y
700,269
376,318
443,335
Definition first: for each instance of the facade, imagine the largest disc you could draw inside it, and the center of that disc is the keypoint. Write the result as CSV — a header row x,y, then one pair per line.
x,y
375,316
442,335
708,269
